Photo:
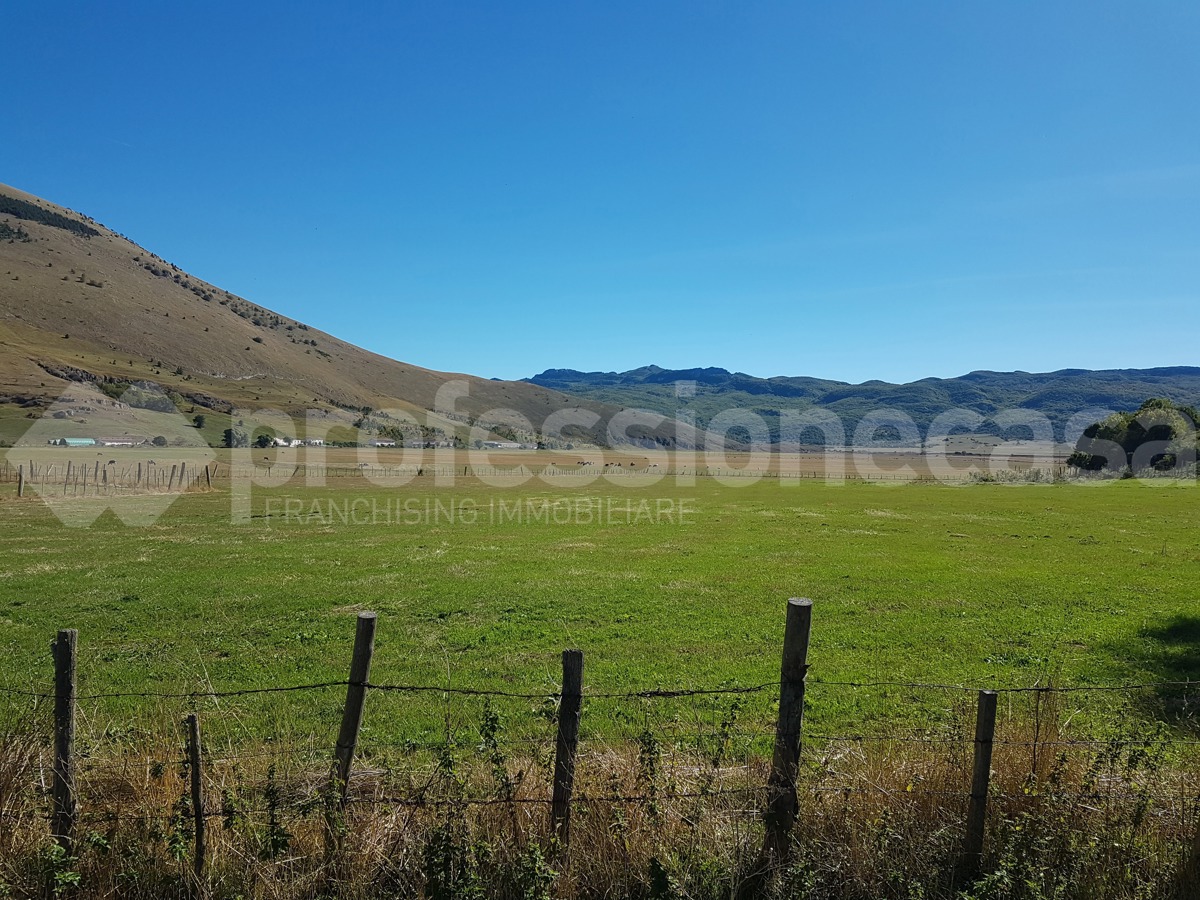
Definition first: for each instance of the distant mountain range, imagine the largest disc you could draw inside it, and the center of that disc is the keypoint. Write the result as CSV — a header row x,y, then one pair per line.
x,y
1060,395
80,303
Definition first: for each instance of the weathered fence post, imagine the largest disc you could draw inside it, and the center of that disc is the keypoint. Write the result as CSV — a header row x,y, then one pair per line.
x,y
207,477
193,749
566,744
985,731
782,802
21,480
63,820
356,692
339,781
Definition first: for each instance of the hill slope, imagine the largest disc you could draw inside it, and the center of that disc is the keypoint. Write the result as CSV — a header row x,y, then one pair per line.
x,y
80,302
1058,395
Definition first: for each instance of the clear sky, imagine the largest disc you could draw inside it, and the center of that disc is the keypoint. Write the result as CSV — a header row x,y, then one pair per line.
x,y
847,190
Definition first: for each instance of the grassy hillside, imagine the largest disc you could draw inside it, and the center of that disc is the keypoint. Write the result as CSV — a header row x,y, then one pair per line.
x,y
80,302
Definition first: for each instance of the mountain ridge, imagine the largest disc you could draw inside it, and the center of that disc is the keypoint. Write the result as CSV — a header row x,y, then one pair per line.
x,y
1061,395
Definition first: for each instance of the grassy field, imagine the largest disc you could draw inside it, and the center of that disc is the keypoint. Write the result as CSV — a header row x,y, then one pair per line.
x,y
661,585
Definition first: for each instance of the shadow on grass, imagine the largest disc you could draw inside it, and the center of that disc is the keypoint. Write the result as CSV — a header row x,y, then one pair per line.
x,y
1170,654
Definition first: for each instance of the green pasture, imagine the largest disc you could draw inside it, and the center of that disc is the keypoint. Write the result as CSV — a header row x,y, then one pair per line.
x,y
973,584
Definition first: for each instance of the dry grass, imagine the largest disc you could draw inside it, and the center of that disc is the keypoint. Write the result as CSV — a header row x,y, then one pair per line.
x,y
94,305
879,817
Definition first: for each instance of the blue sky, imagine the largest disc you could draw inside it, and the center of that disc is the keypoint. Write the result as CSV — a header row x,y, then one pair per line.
x,y
853,191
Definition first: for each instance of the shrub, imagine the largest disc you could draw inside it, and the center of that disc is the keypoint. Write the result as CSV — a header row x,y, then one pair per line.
x,y
235,437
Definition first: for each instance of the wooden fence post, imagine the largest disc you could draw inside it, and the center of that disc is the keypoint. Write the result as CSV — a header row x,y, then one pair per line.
x,y
193,749
63,820
356,692
566,745
985,731
782,802
207,477
21,480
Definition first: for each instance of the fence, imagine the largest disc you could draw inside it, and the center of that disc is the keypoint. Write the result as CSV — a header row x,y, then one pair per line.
x,y
771,804
98,479
78,479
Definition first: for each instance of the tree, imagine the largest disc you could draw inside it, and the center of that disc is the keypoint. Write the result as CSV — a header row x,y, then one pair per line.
x,y
263,441
159,441
199,421
235,437
1158,435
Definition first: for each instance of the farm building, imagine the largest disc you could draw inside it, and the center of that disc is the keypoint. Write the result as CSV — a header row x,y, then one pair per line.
x,y
383,442
75,442
122,441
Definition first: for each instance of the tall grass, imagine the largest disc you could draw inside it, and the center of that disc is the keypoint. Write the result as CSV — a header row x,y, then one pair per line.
x,y
1070,817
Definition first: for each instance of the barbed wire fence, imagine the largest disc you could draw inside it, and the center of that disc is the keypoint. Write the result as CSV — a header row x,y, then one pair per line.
x,y
635,760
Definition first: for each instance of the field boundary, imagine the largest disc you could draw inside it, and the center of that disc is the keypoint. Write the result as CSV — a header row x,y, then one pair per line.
x,y
771,803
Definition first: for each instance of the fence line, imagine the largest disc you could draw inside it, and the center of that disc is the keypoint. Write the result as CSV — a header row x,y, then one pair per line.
x,y
776,797
649,694
76,480
104,479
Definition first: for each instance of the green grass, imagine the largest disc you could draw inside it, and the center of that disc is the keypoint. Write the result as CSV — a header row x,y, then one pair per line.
x,y
982,584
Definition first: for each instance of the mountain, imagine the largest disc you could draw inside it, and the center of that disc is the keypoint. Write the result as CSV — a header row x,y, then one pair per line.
x,y
81,303
1060,396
